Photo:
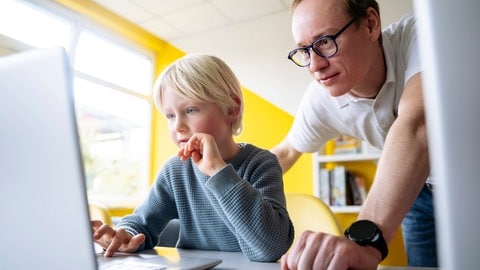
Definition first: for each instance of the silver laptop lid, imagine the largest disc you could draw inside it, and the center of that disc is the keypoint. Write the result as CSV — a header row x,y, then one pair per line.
x,y
451,81
44,220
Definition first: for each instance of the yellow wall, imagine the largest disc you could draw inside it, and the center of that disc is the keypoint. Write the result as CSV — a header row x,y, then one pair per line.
x,y
265,125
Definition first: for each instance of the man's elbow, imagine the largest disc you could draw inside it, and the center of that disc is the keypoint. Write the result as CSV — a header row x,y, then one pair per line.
x,y
286,155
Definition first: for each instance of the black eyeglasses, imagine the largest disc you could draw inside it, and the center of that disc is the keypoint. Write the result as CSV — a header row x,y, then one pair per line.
x,y
325,46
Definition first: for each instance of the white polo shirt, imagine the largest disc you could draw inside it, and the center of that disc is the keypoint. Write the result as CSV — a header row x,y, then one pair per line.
x,y
321,117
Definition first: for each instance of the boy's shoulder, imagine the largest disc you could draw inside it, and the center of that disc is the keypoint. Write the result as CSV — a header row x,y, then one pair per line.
x,y
253,149
252,152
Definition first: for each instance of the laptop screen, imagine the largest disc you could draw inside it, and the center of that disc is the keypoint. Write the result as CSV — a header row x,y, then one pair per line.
x,y
44,207
45,221
451,81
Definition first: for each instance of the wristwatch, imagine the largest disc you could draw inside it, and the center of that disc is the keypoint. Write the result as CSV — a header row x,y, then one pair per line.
x,y
366,233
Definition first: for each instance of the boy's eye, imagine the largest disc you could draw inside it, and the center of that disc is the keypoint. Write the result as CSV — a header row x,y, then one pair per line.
x,y
170,116
192,110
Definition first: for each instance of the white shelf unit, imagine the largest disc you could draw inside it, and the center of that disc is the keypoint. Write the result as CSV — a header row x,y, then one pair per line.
x,y
320,160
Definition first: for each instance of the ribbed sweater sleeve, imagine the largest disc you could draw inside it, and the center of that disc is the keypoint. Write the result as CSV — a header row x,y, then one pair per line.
x,y
241,208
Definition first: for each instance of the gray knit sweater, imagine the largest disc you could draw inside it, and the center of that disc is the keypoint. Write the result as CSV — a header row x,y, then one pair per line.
x,y
241,208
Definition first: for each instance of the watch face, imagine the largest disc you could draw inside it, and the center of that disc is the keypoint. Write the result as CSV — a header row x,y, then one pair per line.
x,y
365,232
362,230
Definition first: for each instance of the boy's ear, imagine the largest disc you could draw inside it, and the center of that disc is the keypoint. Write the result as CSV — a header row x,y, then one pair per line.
x,y
236,110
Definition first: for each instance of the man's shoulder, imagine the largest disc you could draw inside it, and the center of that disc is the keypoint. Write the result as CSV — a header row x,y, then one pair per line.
x,y
405,23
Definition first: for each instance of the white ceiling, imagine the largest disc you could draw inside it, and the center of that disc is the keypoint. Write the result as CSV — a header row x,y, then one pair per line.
x,y
252,36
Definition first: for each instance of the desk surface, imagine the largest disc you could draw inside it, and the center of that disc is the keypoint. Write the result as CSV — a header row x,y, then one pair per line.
x,y
236,260
230,260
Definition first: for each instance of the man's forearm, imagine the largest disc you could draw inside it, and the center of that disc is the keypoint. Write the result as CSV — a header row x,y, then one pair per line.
x,y
401,174
286,154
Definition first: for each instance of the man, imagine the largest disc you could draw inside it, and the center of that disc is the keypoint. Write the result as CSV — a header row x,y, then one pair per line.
x,y
367,85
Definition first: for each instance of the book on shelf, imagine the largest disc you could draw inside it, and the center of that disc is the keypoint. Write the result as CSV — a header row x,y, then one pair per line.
x,y
324,185
361,188
340,187
353,191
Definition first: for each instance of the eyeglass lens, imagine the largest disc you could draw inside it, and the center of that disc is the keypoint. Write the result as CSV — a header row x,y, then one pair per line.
x,y
324,46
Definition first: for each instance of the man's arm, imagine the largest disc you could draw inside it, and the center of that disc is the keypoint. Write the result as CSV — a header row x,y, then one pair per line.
x,y
286,154
403,166
401,174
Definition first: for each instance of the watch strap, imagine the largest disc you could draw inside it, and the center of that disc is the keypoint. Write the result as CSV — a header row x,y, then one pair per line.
x,y
380,244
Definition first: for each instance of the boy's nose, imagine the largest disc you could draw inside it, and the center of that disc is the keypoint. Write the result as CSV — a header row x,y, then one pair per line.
x,y
179,124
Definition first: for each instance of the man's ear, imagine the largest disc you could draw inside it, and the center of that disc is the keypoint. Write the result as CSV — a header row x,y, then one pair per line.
x,y
373,24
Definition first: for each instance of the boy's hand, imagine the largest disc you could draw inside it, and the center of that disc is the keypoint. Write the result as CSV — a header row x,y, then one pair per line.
x,y
115,240
204,152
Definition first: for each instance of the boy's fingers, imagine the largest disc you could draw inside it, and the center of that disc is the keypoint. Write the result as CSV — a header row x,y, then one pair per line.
x,y
95,224
135,242
113,246
103,231
124,243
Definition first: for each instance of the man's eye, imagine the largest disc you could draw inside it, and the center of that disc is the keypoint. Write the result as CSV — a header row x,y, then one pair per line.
x,y
324,42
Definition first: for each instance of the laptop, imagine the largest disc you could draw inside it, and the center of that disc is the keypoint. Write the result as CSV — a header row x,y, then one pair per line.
x,y
45,221
451,93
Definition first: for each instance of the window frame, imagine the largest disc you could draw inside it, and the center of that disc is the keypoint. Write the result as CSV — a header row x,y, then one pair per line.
x,y
81,23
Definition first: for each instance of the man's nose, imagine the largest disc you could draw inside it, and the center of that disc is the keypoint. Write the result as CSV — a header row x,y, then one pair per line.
x,y
317,62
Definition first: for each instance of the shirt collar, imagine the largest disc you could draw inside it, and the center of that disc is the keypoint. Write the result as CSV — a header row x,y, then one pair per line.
x,y
343,101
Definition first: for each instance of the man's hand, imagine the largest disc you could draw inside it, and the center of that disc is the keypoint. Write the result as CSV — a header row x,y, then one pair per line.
x,y
315,250
115,240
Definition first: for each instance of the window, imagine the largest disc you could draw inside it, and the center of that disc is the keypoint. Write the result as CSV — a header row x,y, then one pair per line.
x,y
103,59
41,29
114,133
112,83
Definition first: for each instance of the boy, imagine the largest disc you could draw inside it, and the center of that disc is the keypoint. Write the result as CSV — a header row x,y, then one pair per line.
x,y
227,196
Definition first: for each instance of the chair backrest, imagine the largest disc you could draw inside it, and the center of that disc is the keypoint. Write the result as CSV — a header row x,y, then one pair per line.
x,y
100,212
169,236
308,212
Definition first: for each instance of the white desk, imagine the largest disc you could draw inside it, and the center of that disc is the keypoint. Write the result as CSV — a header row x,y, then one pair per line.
x,y
231,260
236,260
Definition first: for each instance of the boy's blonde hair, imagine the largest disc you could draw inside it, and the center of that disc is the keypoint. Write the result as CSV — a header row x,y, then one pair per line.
x,y
203,78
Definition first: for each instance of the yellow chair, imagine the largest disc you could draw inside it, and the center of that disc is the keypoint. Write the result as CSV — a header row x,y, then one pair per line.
x,y
308,212
100,212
